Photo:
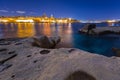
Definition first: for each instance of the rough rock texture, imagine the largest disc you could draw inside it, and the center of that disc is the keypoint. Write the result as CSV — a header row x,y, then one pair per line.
x,y
45,42
33,63
101,30
88,28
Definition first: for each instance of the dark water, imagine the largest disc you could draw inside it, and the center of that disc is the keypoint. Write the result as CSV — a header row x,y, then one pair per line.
x,y
68,32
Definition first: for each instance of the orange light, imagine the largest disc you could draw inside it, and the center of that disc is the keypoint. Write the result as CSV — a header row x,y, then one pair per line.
x,y
3,20
25,20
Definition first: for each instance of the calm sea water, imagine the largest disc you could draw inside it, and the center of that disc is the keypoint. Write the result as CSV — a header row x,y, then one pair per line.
x,y
68,32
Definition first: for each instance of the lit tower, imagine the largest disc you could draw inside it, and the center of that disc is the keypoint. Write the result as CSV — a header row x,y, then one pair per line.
x,y
52,19
52,16
44,15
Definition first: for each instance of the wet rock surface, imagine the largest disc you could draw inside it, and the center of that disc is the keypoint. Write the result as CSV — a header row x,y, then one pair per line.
x,y
35,63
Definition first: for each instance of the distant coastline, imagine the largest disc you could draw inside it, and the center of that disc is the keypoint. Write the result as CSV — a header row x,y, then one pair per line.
x,y
51,19
31,19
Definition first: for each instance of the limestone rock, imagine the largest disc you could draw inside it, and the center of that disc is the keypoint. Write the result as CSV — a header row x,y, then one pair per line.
x,y
101,30
55,39
4,55
4,67
33,63
45,42
88,29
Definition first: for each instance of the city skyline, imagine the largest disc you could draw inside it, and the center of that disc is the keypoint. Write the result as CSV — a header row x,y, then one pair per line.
x,y
77,9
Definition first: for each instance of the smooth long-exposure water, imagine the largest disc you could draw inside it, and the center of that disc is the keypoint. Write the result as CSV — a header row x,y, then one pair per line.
x,y
68,32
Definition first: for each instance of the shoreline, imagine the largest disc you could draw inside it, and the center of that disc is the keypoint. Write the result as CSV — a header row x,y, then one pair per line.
x,y
9,41
100,30
22,61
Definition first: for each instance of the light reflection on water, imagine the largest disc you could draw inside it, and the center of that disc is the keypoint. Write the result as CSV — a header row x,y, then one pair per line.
x,y
68,33
21,30
25,30
17,30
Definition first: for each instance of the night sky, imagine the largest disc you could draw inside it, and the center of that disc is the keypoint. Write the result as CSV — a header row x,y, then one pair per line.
x,y
78,9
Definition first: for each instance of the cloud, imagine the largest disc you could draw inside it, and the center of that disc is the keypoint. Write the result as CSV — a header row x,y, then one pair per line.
x,y
20,12
5,11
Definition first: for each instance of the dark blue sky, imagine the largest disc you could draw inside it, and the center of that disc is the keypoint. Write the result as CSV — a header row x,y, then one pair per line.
x,y
78,9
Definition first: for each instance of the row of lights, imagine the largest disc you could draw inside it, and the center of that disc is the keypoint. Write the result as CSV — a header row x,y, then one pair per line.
x,y
43,20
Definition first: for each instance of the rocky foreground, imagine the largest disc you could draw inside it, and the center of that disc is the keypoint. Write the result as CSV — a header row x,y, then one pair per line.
x,y
22,61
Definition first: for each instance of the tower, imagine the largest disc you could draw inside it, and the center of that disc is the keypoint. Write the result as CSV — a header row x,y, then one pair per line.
x,y
52,16
44,15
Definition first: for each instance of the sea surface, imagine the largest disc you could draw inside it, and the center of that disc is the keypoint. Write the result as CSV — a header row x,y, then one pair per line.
x,y
71,38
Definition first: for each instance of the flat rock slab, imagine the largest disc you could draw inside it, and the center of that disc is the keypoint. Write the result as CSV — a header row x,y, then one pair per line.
x,y
33,63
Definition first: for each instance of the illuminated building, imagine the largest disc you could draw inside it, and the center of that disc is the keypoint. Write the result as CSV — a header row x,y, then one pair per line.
x,y
42,19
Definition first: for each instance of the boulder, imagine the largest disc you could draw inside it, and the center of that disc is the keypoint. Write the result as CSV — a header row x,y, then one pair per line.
x,y
45,42
88,29
55,39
